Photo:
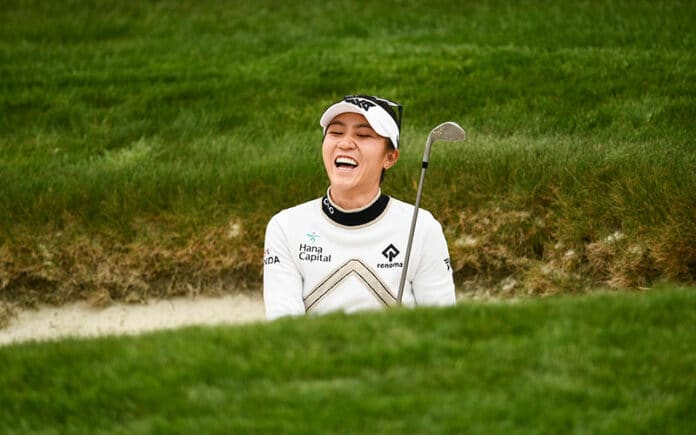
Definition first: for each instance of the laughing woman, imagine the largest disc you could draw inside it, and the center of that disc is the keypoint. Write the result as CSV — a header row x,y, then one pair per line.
x,y
345,251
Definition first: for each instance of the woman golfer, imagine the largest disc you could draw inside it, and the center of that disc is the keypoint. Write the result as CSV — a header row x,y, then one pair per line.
x,y
345,251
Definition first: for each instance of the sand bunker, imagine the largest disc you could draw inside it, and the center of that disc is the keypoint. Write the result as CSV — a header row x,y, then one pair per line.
x,y
81,320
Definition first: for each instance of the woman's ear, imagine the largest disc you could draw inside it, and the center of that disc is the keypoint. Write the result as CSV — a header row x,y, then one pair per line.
x,y
391,158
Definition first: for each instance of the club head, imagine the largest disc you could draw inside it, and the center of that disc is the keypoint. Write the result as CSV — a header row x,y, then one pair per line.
x,y
447,131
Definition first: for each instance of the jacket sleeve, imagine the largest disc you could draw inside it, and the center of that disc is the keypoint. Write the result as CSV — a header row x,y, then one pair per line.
x,y
282,281
433,283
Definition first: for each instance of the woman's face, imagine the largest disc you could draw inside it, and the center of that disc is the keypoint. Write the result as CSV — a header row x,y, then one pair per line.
x,y
354,157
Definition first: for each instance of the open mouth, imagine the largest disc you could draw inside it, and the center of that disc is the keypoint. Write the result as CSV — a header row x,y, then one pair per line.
x,y
345,163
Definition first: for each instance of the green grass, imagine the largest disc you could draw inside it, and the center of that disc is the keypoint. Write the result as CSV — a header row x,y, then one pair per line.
x,y
149,123
601,363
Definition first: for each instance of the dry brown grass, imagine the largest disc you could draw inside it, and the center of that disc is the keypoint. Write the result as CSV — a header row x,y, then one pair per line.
x,y
6,314
491,247
496,251
512,252
60,267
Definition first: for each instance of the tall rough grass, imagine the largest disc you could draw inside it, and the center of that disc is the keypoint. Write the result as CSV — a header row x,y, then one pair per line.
x,y
133,136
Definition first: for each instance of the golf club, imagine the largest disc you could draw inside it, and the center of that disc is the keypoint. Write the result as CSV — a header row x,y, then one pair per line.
x,y
447,131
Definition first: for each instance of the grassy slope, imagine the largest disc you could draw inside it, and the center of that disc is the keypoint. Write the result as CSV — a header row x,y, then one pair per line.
x,y
593,364
136,135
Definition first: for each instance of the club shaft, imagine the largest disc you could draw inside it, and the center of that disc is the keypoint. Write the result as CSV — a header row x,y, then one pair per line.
x,y
404,271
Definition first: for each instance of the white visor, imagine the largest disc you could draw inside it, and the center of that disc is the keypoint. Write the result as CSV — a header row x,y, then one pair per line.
x,y
378,118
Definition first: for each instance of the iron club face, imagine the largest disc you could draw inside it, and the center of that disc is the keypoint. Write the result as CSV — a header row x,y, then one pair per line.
x,y
447,131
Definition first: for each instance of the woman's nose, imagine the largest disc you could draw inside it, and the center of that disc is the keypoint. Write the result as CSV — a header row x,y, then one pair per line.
x,y
346,143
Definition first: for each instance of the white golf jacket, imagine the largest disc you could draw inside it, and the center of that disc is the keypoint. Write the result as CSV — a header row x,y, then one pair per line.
x,y
319,258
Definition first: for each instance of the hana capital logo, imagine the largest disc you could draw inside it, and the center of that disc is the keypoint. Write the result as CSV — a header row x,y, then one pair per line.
x,y
311,252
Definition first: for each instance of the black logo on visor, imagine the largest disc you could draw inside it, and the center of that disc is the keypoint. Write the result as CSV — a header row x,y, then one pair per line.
x,y
363,104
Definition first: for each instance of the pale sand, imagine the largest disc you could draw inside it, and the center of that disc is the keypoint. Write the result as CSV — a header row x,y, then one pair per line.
x,y
81,320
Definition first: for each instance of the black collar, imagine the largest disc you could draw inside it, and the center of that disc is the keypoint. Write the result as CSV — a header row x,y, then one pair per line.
x,y
354,219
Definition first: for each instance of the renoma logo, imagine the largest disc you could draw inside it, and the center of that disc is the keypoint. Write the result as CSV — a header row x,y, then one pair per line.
x,y
390,253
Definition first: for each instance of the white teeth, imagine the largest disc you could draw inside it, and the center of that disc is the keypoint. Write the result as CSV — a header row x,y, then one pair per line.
x,y
346,161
